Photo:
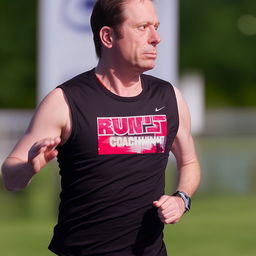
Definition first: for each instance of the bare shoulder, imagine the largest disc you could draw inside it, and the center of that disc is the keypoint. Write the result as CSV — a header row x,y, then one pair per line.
x,y
179,97
50,120
53,110
184,114
54,98
183,145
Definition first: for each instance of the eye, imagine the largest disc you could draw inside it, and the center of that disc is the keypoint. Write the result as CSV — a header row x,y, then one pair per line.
x,y
156,25
142,27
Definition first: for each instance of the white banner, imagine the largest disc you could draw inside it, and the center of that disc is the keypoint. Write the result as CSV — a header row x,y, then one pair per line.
x,y
66,44
167,60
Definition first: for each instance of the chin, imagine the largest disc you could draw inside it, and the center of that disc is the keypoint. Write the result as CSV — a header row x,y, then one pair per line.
x,y
148,66
144,65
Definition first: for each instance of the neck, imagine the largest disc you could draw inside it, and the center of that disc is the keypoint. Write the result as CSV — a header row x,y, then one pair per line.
x,y
121,83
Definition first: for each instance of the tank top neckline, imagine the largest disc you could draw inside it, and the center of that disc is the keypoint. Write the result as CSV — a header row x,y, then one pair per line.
x,y
117,97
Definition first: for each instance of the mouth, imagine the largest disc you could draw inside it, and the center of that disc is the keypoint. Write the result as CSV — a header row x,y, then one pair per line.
x,y
151,55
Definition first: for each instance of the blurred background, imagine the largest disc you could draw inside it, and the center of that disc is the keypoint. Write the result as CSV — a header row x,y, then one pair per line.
x,y
216,73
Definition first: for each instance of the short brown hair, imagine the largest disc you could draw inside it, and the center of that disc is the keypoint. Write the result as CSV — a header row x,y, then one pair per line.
x,y
106,13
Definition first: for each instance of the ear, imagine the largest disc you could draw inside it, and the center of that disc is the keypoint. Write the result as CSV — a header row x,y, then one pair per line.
x,y
106,36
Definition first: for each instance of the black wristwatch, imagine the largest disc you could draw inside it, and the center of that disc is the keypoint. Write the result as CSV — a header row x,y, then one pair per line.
x,y
186,199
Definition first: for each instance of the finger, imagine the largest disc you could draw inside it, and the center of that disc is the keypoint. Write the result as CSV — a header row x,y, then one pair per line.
x,y
160,201
162,219
56,141
169,206
47,143
36,149
168,214
172,220
50,151
40,147
51,155
52,144
40,144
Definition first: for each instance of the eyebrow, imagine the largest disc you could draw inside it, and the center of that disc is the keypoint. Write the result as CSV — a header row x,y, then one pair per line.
x,y
157,24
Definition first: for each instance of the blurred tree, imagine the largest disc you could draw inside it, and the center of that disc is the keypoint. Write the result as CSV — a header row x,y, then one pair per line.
x,y
216,37
213,41
17,53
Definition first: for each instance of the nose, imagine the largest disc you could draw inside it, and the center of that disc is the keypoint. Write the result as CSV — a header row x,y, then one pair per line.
x,y
154,38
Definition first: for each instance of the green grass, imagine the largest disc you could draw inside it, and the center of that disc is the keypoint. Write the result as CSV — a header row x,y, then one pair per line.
x,y
223,225
217,225
25,237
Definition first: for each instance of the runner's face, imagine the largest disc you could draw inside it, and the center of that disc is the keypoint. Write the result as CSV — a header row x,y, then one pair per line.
x,y
137,46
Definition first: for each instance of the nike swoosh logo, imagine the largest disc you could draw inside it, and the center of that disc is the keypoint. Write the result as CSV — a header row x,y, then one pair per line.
x,y
158,109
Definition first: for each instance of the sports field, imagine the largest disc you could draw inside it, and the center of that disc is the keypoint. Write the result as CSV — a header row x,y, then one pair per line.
x,y
222,225
219,224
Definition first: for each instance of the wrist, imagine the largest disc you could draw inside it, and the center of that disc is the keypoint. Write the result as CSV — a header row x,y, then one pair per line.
x,y
186,199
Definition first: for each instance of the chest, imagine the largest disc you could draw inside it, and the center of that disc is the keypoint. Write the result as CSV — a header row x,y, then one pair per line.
x,y
105,126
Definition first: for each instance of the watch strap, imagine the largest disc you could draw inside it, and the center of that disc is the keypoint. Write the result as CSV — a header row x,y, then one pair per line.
x,y
185,197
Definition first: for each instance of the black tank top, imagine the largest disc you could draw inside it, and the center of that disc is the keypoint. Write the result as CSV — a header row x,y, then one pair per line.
x,y
112,168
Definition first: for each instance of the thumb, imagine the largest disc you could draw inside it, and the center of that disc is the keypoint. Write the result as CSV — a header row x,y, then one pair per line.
x,y
156,203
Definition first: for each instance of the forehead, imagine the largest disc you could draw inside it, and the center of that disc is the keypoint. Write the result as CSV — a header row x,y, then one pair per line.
x,y
136,11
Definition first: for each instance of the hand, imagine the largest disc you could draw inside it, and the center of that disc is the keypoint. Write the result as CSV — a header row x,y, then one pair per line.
x,y
42,152
170,208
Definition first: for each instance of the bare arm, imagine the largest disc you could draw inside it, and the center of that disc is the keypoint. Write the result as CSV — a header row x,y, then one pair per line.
x,y
49,127
171,208
184,151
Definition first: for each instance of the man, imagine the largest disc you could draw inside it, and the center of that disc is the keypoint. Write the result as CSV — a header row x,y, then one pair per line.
x,y
112,129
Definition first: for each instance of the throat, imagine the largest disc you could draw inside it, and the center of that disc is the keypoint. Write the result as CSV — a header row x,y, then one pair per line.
x,y
130,90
